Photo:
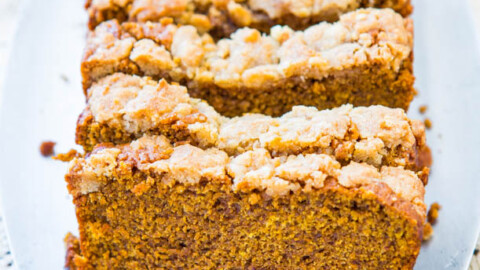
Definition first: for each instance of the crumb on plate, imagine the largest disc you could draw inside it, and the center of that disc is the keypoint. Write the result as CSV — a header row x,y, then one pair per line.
x,y
47,148
428,123
66,157
423,109
432,214
427,231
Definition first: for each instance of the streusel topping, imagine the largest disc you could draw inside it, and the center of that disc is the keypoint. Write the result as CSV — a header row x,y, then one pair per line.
x,y
138,105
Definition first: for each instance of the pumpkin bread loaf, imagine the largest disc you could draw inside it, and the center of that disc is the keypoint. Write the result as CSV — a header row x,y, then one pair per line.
x,y
217,139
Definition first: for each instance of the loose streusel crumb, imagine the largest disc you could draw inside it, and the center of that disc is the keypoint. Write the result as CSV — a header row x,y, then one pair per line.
x,y
433,213
428,123
47,148
432,216
427,231
67,157
423,109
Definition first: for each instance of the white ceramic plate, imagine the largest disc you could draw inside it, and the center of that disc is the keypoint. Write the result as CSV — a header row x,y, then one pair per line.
x,y
40,104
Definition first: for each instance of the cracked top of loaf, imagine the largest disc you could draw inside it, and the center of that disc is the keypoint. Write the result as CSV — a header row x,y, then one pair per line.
x,y
375,134
249,59
252,170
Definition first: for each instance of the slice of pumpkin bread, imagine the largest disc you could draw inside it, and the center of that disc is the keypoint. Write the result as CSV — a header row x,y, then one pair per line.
x,y
363,59
221,17
121,108
153,205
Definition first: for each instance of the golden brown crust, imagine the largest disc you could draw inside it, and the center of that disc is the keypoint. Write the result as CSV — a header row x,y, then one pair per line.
x,y
364,59
150,188
223,17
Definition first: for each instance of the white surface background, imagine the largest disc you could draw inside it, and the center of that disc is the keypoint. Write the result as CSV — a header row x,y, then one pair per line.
x,y
9,11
